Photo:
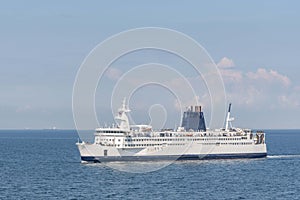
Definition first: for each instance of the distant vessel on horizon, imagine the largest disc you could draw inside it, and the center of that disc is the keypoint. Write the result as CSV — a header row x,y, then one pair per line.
x,y
52,128
191,141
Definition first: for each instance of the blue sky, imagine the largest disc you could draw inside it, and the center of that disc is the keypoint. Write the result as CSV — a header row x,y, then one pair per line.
x,y
42,45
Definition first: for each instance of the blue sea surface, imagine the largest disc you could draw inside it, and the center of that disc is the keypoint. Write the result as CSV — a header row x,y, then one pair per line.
x,y
45,164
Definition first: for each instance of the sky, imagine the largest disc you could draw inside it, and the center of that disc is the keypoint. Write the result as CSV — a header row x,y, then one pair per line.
x,y
255,45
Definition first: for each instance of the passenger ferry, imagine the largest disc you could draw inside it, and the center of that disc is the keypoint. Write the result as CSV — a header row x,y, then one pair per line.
x,y
189,142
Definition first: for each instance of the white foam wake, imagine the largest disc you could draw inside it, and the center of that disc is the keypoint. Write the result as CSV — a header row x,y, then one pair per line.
x,y
283,156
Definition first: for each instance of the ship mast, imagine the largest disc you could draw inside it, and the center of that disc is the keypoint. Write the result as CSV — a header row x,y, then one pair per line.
x,y
228,119
122,117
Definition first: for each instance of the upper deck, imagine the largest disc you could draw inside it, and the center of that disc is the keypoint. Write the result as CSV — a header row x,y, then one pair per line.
x,y
126,135
123,139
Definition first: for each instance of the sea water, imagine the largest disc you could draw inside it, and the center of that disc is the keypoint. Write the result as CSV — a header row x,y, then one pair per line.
x,y
45,164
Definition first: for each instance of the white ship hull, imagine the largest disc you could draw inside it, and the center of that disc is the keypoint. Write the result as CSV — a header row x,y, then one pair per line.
x,y
192,151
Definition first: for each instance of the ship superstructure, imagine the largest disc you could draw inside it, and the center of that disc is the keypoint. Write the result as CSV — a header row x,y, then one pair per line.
x,y
193,120
192,140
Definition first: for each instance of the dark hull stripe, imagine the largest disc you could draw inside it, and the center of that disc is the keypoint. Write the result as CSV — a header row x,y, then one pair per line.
x,y
182,157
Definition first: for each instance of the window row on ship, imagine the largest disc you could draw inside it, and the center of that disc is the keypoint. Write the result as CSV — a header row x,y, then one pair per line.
x,y
173,144
108,131
147,145
229,143
181,139
142,145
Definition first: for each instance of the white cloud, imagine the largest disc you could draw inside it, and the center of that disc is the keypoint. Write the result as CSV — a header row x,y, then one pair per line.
x,y
230,75
263,88
226,63
113,73
225,66
269,76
